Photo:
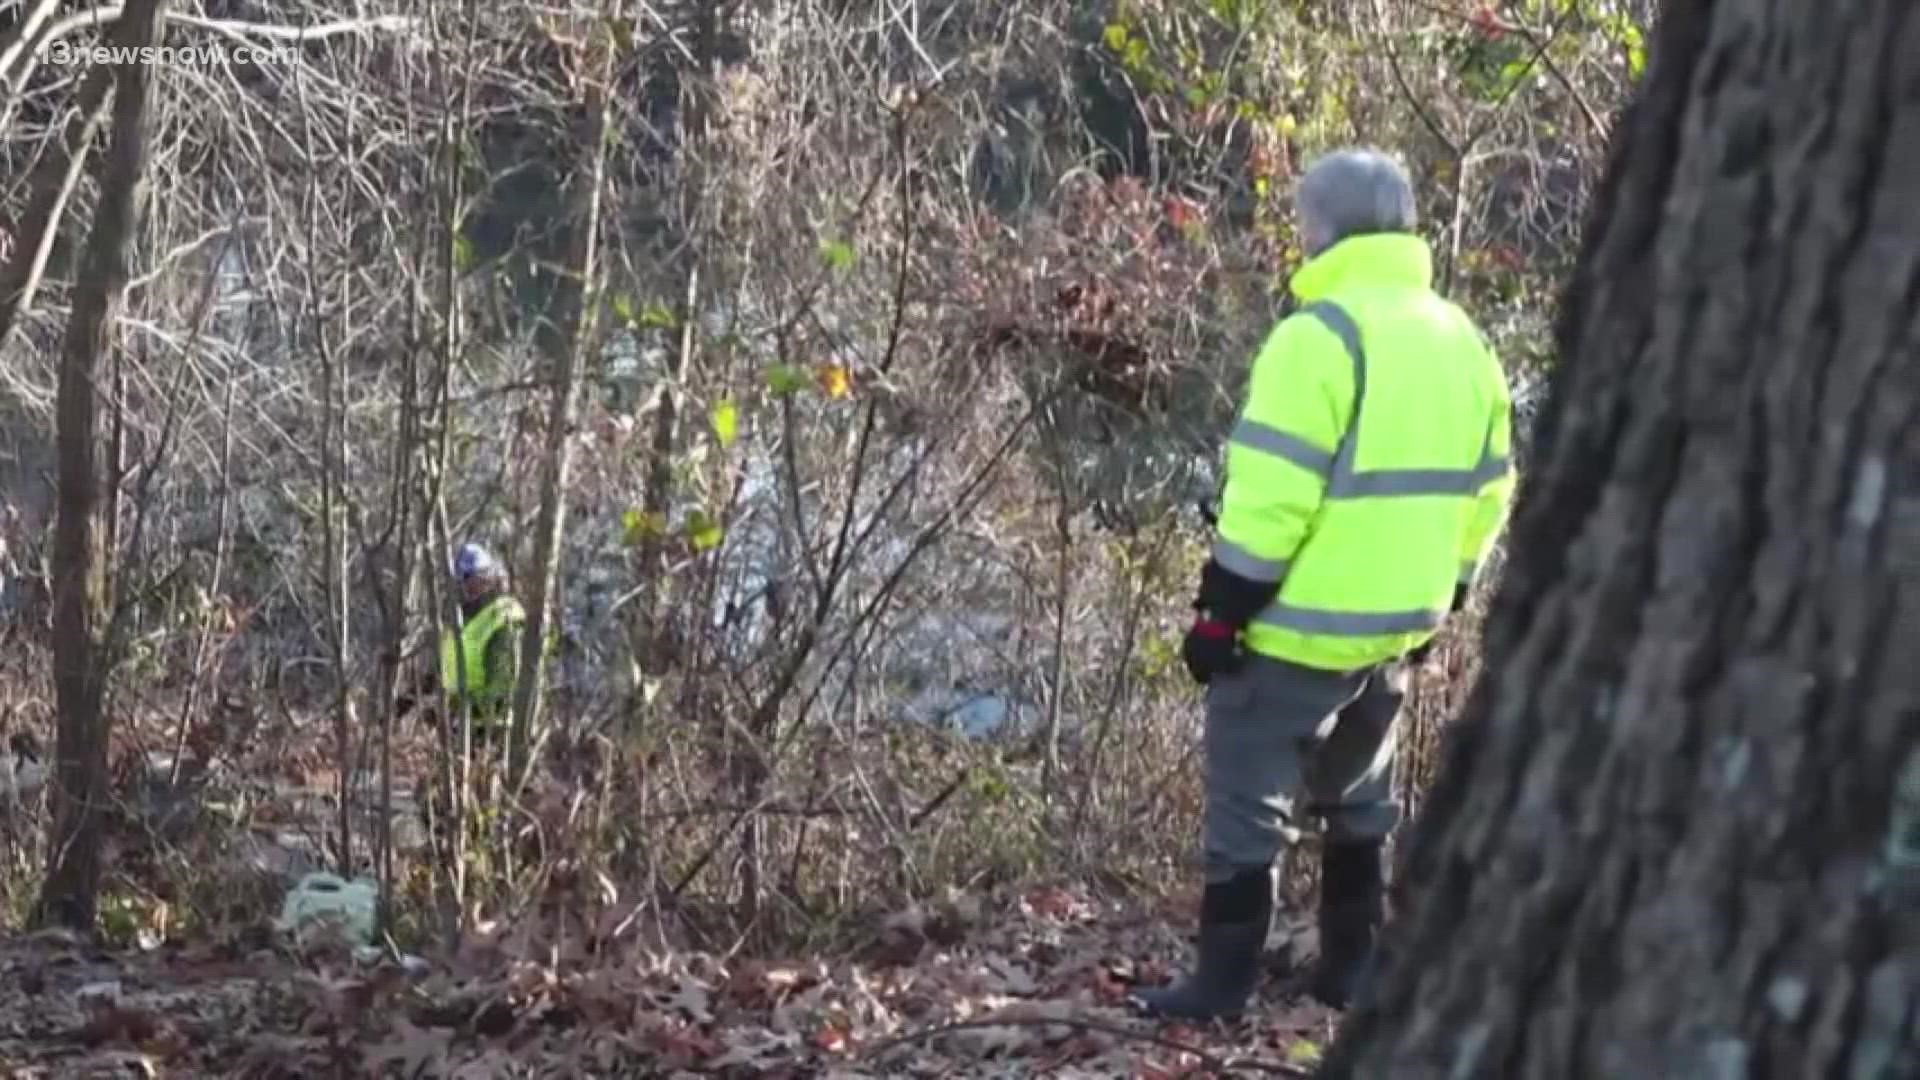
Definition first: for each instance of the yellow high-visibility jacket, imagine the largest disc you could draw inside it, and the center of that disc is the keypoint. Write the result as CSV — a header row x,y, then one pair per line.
x,y
1369,471
463,665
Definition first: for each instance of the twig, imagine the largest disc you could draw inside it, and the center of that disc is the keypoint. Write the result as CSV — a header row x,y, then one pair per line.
x,y
23,34
1210,1060
53,183
934,804
1594,123
1533,37
1428,120
241,28
234,28
161,264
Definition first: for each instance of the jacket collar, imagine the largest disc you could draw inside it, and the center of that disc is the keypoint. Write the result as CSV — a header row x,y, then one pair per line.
x,y
471,608
1390,259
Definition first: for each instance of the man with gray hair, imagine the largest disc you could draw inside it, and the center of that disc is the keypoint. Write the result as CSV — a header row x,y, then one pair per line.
x,y
1366,478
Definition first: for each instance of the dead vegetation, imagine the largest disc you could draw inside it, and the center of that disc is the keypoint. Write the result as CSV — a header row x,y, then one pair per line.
x,y
905,377
977,984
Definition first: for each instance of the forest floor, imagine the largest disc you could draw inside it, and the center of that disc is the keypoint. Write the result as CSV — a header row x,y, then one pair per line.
x,y
1020,981
1027,983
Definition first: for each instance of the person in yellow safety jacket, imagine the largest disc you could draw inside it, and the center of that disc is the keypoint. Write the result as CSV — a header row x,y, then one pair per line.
x,y
479,666
1367,476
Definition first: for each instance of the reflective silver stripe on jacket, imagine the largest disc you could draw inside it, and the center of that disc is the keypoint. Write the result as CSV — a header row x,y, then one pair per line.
x,y
1344,481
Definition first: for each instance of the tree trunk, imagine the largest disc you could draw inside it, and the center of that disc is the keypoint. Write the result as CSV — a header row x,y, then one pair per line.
x,y
659,635
1667,840
54,180
565,340
79,564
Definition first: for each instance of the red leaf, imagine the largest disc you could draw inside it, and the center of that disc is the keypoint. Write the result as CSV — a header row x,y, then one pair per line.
x,y
1108,990
831,1039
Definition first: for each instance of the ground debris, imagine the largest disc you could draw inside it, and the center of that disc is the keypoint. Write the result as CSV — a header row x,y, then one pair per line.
x,y
1029,983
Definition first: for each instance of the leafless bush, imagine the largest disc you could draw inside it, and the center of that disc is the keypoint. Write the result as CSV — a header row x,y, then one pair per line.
x,y
908,378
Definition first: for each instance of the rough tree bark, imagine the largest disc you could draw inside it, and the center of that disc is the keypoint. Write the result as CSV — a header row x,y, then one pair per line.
x,y
79,563
657,634
566,338
53,183
1677,832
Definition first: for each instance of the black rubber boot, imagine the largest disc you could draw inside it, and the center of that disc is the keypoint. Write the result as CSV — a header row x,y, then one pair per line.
x,y
1352,906
1234,919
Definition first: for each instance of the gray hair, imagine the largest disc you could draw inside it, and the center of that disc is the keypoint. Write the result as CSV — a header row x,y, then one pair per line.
x,y
1351,193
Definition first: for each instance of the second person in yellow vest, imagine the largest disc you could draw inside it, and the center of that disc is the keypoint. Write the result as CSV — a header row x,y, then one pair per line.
x,y
480,665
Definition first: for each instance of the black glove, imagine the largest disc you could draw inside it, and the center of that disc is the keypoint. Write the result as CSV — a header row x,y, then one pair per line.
x,y
1226,602
1212,648
1232,599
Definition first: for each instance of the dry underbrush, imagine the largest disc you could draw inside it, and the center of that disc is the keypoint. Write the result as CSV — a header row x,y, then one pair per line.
x,y
851,828
928,912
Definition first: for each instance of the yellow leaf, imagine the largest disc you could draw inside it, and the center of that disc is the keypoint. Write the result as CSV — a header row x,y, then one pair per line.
x,y
835,380
726,422
703,532
638,525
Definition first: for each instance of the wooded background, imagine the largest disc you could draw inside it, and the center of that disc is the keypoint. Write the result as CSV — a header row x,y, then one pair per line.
x,y
843,383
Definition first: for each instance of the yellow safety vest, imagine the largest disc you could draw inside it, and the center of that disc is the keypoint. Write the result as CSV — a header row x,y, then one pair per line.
x,y
1368,472
470,655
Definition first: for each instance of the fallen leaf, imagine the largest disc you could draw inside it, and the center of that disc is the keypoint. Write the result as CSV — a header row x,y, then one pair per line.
x,y
411,1047
1052,902
685,1045
832,1039
1108,990
835,380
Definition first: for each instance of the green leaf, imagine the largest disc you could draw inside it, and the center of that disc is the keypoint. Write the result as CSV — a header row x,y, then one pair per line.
x,y
784,379
838,254
1513,72
726,422
462,253
623,308
703,532
1115,37
988,786
638,525
657,316
1303,1052
623,32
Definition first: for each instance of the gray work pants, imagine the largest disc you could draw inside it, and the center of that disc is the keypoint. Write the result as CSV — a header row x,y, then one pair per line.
x,y
1284,741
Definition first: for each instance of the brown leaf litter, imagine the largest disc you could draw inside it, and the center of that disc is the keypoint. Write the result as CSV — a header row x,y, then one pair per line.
x,y
1027,984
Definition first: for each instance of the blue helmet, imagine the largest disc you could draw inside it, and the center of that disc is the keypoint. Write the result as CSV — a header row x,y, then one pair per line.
x,y
474,561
